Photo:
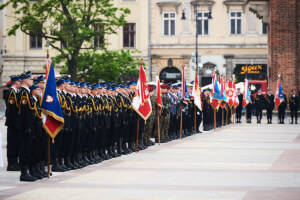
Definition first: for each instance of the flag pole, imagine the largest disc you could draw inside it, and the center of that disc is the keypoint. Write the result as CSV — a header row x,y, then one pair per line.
x,y
158,128
222,116
137,134
194,103
226,115
215,118
180,121
48,145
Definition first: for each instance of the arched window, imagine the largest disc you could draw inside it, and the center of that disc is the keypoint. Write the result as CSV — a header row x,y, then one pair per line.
x,y
170,75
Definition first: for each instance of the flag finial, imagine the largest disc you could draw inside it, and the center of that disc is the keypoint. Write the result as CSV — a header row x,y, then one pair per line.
x,y
278,75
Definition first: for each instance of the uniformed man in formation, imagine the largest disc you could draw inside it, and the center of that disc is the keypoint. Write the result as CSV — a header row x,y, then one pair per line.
x,y
294,106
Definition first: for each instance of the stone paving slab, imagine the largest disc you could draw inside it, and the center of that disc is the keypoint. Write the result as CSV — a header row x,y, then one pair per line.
x,y
237,162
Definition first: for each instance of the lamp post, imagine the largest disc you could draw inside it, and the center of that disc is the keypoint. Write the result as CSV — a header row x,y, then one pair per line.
x,y
196,5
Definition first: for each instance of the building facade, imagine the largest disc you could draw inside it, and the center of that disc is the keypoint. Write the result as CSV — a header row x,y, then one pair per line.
x,y
283,19
23,52
233,38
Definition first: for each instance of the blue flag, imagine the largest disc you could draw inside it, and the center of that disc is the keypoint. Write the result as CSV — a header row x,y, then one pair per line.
x,y
53,120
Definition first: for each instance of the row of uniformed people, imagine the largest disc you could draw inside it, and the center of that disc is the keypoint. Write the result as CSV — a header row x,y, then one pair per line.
x,y
99,124
25,135
259,102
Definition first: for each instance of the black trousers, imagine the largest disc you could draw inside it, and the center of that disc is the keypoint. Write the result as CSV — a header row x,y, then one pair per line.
x,y
294,114
281,114
238,114
12,143
269,114
258,114
26,142
249,113
56,146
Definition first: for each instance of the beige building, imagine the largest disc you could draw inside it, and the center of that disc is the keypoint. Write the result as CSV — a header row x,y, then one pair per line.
x,y
234,37
23,52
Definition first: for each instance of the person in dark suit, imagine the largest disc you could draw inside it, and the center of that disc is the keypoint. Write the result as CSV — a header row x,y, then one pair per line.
x,y
294,106
239,108
206,110
281,110
249,108
12,118
27,116
260,103
269,100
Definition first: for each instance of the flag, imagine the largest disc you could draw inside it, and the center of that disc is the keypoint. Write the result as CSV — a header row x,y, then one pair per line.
x,y
141,102
196,93
230,92
247,95
223,93
216,93
158,100
235,96
279,97
185,93
53,120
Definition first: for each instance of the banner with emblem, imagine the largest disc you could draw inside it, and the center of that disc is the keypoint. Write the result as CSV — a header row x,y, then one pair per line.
x,y
141,102
216,93
53,120
247,94
158,100
196,93
229,93
223,93
279,97
236,101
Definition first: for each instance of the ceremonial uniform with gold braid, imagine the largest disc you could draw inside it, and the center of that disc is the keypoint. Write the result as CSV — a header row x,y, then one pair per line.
x,y
12,122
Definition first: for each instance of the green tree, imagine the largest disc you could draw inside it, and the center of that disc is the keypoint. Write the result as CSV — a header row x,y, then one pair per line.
x,y
107,66
68,23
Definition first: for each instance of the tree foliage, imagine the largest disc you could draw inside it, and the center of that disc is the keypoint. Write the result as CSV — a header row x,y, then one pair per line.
x,y
67,23
107,66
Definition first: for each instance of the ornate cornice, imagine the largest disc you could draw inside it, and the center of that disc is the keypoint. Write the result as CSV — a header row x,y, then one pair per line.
x,y
161,4
261,8
229,3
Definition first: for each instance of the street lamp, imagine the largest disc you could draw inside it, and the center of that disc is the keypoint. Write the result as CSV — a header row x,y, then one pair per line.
x,y
196,5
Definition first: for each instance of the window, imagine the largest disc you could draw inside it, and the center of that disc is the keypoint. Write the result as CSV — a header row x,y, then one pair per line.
x,y
169,23
236,23
202,23
35,42
129,35
99,36
264,28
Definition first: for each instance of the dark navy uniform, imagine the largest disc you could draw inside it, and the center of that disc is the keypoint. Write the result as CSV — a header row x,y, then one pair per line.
x,y
294,106
270,105
239,109
259,104
12,123
281,110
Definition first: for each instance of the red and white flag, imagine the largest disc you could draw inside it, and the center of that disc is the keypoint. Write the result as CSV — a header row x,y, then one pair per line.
x,y
235,97
230,93
141,102
158,99
279,97
196,93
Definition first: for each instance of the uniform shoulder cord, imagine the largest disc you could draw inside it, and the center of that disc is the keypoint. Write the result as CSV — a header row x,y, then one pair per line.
x,y
71,106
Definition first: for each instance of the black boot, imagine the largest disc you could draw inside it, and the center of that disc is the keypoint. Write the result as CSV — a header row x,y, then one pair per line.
x,y
56,167
25,176
33,173
37,171
61,163
12,164
85,159
75,163
42,169
68,163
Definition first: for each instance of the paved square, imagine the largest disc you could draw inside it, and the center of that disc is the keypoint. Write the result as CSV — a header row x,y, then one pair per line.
x,y
237,162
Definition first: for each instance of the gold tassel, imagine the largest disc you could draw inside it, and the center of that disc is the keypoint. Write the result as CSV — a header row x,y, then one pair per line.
x,y
52,140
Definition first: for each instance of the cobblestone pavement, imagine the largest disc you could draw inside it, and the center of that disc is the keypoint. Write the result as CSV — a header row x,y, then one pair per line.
x,y
237,162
